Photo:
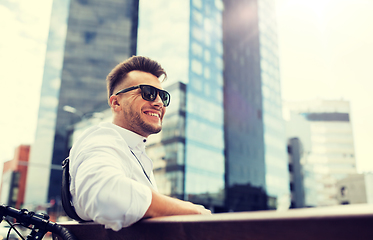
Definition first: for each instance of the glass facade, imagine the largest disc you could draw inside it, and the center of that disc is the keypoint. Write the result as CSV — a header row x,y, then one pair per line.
x,y
186,38
256,159
86,40
274,125
245,165
204,170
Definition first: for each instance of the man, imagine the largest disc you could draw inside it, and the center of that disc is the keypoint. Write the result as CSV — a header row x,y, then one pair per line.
x,y
112,181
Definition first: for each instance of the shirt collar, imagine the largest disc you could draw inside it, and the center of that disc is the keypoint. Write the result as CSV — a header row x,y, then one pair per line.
x,y
133,139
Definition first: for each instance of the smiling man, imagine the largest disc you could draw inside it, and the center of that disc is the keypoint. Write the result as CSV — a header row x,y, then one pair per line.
x,y
112,181
139,116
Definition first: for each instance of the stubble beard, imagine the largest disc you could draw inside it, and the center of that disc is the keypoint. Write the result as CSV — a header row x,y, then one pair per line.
x,y
138,124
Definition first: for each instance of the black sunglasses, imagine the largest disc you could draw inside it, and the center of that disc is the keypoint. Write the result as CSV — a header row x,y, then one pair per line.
x,y
150,93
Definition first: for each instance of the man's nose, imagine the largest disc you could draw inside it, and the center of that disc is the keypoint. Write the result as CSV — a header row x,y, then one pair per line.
x,y
158,101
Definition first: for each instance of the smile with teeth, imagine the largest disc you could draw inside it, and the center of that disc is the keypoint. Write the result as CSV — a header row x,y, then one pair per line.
x,y
152,114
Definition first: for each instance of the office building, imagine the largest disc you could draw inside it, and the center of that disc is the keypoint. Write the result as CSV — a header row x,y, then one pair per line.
x,y
331,156
254,129
14,176
86,40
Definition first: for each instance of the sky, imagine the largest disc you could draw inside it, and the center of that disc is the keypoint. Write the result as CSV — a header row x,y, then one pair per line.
x,y
24,31
325,50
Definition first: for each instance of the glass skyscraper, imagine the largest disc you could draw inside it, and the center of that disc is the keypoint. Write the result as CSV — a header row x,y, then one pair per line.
x,y
186,38
256,159
86,40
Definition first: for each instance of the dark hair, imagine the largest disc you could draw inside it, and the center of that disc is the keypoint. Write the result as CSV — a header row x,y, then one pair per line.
x,y
139,63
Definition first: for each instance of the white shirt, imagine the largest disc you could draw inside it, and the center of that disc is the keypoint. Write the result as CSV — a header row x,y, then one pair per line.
x,y
108,184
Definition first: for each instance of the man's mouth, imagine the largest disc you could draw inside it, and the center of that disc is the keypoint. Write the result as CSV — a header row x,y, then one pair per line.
x,y
153,114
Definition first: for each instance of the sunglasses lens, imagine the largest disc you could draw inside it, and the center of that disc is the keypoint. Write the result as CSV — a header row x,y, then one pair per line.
x,y
149,93
165,96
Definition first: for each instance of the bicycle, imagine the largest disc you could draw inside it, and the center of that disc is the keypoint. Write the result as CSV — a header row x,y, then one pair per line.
x,y
37,223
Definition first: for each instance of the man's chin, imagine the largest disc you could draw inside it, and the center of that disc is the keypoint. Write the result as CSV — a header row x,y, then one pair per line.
x,y
157,130
152,129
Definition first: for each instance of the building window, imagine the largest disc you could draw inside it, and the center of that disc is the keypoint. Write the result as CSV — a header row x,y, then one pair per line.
x,y
197,4
89,37
197,34
197,66
207,73
207,25
207,56
197,17
197,49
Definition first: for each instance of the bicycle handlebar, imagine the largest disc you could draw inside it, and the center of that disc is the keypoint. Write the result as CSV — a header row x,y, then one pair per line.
x,y
27,218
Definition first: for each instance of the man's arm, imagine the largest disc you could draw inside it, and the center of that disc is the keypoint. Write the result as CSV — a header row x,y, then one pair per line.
x,y
162,205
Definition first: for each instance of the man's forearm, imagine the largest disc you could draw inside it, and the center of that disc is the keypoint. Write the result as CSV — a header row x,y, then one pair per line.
x,y
162,205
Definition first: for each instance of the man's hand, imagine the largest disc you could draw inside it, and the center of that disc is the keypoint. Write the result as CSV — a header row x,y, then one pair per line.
x,y
162,205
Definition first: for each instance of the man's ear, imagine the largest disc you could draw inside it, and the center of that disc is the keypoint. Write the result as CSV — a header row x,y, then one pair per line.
x,y
114,103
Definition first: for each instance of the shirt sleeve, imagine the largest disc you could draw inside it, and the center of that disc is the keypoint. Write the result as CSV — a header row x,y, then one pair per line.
x,y
103,188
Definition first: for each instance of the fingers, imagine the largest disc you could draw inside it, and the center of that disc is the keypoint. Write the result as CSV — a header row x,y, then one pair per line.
x,y
202,209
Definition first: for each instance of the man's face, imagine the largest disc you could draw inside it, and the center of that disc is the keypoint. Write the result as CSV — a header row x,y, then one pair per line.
x,y
138,115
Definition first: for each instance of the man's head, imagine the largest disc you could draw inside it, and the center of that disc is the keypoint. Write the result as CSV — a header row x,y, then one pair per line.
x,y
135,93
